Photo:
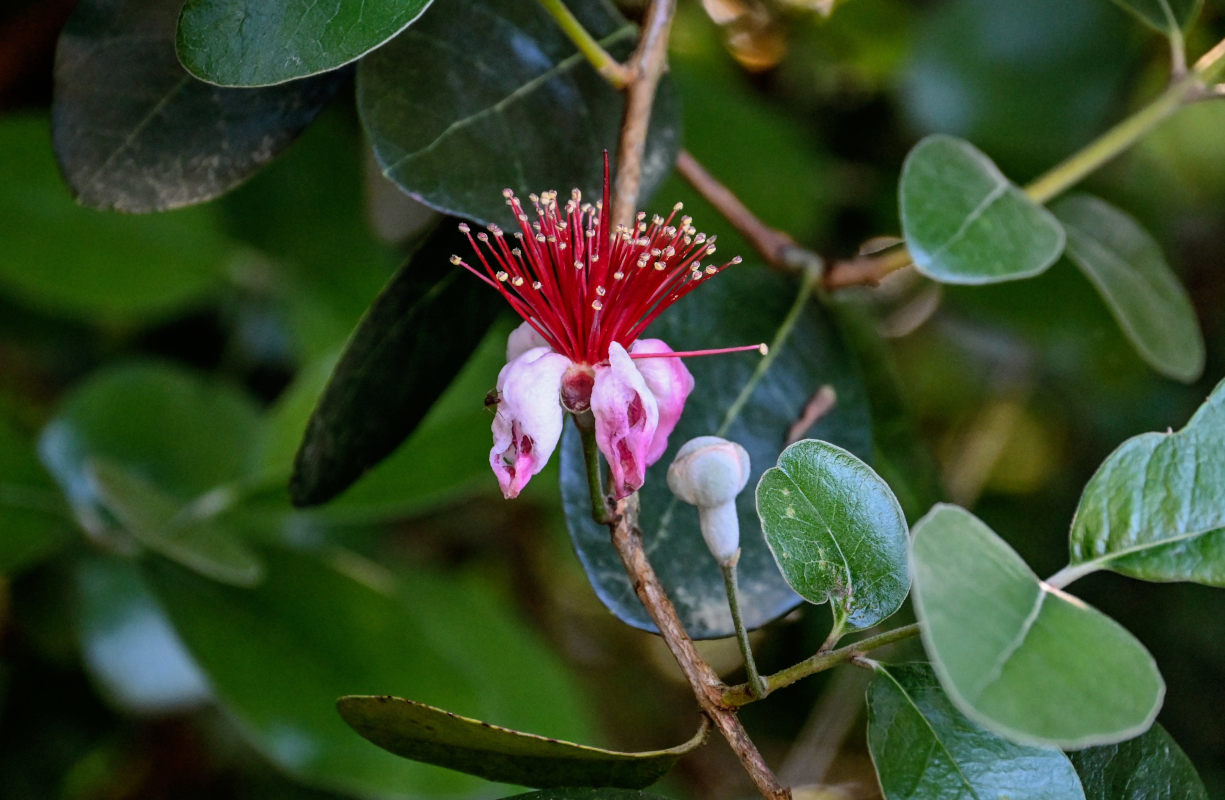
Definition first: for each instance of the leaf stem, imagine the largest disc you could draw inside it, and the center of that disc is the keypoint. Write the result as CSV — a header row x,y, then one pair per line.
x,y
585,423
1184,89
756,685
1070,573
742,695
610,68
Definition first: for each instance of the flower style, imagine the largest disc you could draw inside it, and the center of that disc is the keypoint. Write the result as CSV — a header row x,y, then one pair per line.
x,y
586,295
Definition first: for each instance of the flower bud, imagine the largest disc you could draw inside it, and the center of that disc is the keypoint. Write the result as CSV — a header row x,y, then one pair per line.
x,y
709,472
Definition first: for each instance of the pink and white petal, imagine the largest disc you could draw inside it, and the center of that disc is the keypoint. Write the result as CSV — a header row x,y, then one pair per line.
x,y
671,382
522,339
626,416
529,419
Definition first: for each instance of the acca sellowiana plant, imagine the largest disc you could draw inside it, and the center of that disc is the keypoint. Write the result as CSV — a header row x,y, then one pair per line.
x,y
300,529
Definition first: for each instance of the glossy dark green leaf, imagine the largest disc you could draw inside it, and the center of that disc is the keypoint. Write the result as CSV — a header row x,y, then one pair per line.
x,y
277,657
744,397
408,347
423,733
160,523
836,531
1149,767
513,81
35,521
1017,655
925,749
128,644
585,793
263,42
1164,16
135,132
181,433
1155,508
69,260
1127,268
964,222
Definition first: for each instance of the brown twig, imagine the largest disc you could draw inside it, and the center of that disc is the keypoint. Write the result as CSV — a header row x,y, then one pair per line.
x,y
776,247
706,685
646,66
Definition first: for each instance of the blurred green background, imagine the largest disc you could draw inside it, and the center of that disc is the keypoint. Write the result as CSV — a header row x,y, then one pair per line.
x,y
190,346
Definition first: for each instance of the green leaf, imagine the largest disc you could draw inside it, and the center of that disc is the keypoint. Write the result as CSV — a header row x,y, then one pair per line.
x,y
1149,767
1170,17
424,733
408,347
836,531
34,520
184,434
964,222
65,259
925,749
743,397
1018,656
158,522
263,42
1155,508
361,631
1127,267
513,82
584,793
128,644
135,132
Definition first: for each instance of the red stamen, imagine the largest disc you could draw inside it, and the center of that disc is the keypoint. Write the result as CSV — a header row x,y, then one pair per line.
x,y
582,285
762,348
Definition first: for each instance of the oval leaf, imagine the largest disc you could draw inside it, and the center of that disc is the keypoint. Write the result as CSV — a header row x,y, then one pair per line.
x,y
184,434
744,397
154,520
135,132
1155,508
924,749
1164,16
836,531
361,630
1127,268
424,733
964,222
1018,656
1149,767
514,81
410,344
262,42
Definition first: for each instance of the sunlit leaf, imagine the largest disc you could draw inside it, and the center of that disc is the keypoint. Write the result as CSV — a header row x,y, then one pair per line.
x,y
407,348
925,749
1155,508
1127,268
454,140
836,531
423,733
743,397
135,132
1017,656
965,222
262,42
1149,767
